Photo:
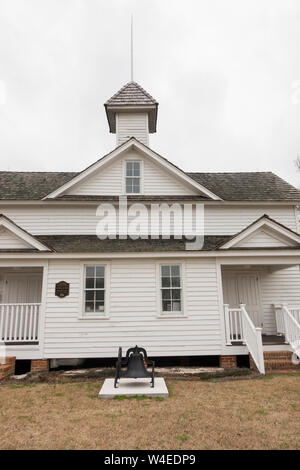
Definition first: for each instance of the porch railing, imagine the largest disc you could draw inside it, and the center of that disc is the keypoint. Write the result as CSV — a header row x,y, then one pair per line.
x,y
288,324
19,323
240,328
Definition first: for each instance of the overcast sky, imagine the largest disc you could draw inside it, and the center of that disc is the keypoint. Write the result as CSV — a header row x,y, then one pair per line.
x,y
226,74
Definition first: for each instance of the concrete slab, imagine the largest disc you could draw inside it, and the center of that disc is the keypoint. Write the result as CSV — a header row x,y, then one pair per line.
x,y
134,387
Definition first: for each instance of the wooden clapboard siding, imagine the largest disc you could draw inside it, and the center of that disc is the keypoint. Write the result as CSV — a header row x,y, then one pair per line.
x,y
82,220
221,220
111,179
132,125
279,286
9,240
133,313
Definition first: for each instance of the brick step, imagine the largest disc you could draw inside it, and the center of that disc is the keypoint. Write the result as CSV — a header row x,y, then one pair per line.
x,y
280,364
270,355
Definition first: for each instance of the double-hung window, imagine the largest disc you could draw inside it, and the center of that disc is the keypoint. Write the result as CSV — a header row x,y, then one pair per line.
x,y
171,295
133,177
94,290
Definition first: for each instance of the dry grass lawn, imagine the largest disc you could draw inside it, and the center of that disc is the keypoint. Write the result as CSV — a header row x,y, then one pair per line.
x,y
247,414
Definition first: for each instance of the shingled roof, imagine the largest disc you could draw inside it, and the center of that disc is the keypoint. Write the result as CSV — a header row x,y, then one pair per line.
x,y
92,244
258,186
131,95
265,186
29,185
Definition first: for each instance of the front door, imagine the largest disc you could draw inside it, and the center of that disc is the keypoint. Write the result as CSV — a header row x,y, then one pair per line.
x,y
244,289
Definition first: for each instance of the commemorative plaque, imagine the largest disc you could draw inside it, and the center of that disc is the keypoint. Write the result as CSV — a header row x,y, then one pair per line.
x,y
62,289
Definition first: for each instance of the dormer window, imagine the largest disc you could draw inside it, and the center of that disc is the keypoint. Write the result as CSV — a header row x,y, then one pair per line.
x,y
133,177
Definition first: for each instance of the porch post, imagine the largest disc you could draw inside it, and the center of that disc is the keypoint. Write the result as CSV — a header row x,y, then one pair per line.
x,y
279,319
42,321
286,339
227,324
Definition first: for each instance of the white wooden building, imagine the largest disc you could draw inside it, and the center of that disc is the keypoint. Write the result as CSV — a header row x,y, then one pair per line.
x,y
220,300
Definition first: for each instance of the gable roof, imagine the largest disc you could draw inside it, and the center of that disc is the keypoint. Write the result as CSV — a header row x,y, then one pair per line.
x,y
252,186
29,240
263,221
131,95
258,186
133,143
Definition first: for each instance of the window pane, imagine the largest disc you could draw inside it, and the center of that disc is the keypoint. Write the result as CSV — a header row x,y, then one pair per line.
x,y
136,185
89,295
99,306
89,306
100,283
176,306
99,271
136,169
129,168
129,185
167,306
165,271
166,294
89,283
175,271
90,271
165,282
99,295
175,281
175,294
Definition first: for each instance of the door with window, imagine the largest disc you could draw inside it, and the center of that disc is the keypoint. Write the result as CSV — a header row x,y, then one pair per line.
x,y
244,289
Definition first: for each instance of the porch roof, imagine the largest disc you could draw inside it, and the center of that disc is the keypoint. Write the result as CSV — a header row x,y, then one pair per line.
x,y
91,243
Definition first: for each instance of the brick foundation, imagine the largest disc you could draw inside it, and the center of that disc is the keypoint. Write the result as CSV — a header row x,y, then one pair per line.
x,y
228,362
8,368
252,363
39,365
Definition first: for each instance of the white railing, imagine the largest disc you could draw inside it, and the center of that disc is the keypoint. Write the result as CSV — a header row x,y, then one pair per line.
x,y
19,323
233,325
240,328
253,340
291,326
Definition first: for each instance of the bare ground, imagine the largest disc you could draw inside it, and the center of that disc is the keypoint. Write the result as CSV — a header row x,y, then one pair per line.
x,y
248,414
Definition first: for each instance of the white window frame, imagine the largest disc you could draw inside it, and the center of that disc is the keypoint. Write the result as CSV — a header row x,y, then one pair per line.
x,y
172,314
141,177
83,315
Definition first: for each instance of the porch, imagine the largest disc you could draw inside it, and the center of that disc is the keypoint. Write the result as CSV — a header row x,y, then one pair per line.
x,y
256,312
20,305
